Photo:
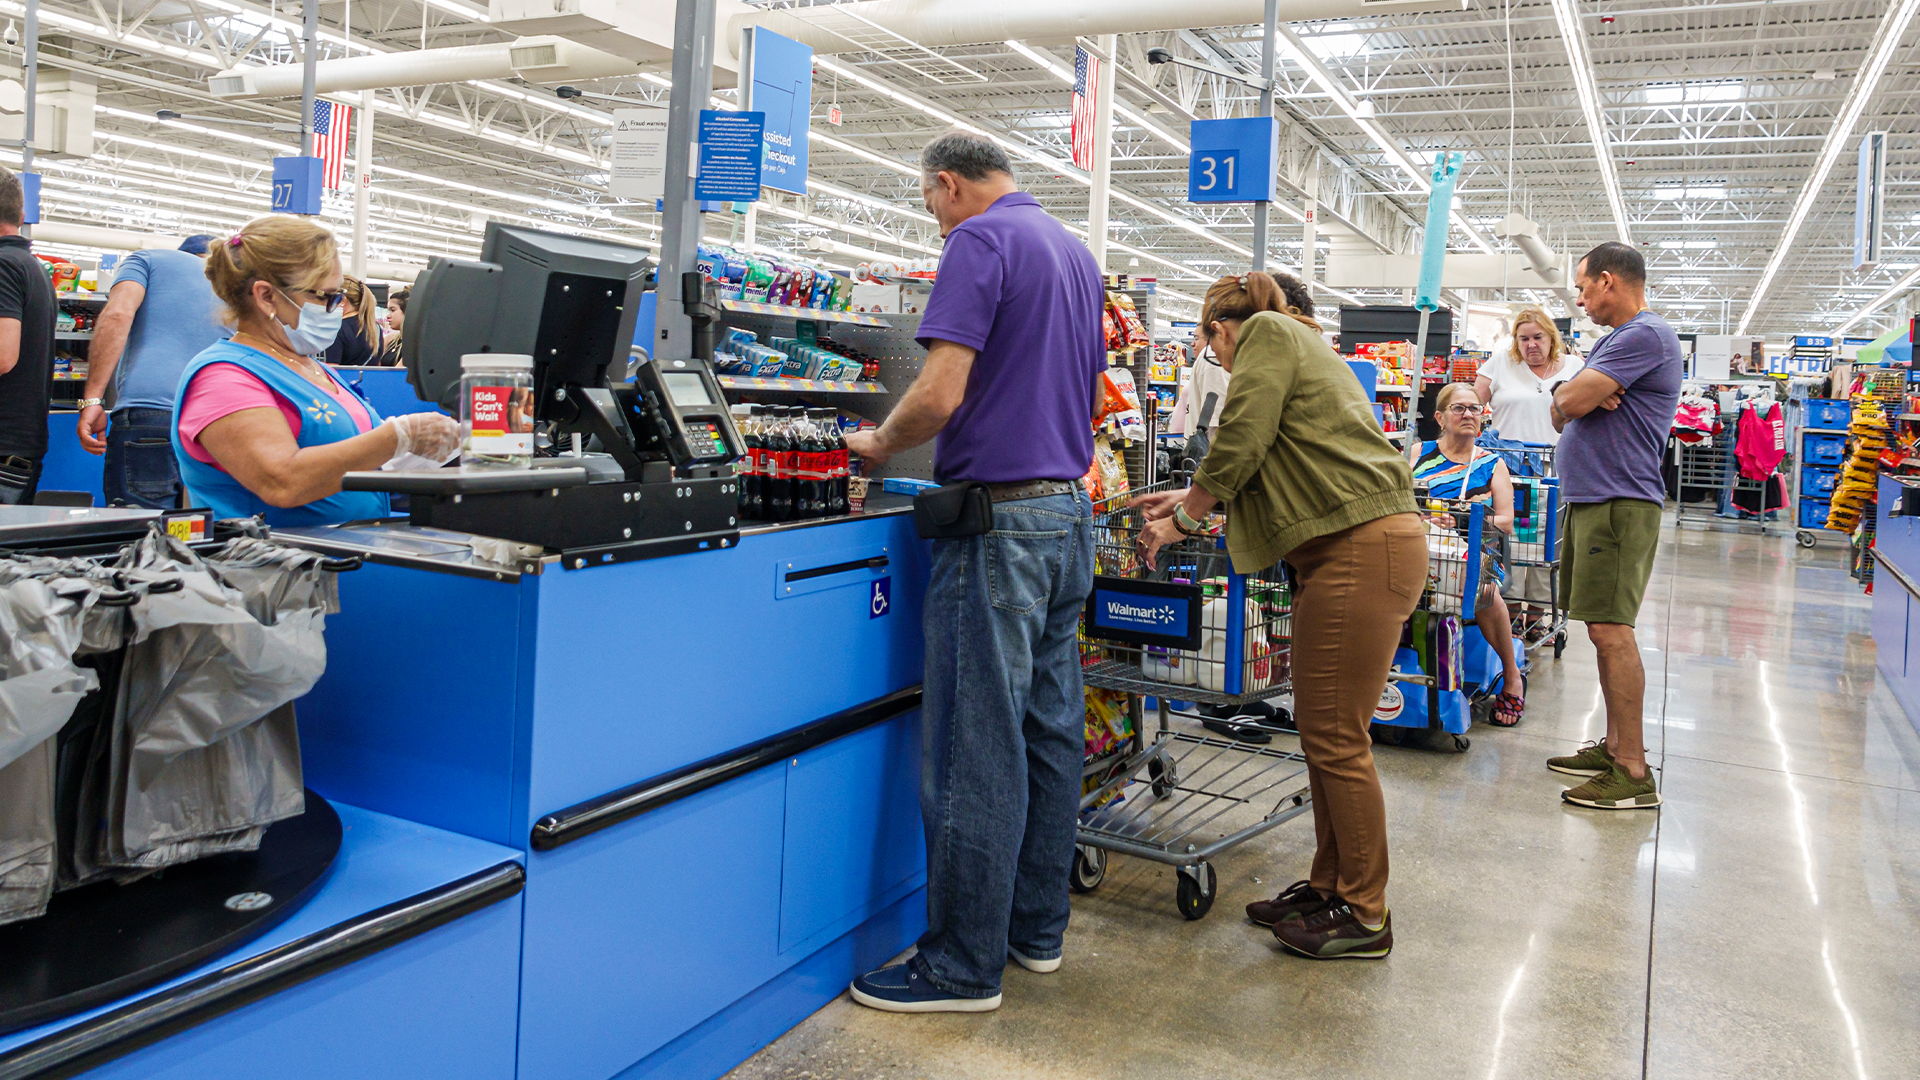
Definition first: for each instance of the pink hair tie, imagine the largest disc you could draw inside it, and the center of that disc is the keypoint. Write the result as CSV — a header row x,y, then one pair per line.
x,y
235,241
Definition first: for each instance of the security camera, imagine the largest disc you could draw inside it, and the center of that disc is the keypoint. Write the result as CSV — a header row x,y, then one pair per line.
x,y
165,114
567,91
1159,56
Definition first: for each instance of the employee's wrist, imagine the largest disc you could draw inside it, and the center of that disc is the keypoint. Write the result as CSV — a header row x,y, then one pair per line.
x,y
86,403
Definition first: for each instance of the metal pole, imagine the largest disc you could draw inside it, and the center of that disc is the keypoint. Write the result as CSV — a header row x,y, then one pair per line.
x,y
1310,230
680,234
1102,151
30,62
1269,44
310,55
362,183
751,219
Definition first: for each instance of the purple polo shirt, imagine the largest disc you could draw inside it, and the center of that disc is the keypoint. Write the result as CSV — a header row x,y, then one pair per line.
x,y
1023,292
1615,453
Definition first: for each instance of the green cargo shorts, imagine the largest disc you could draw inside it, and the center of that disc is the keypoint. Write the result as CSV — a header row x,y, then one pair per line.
x,y
1606,557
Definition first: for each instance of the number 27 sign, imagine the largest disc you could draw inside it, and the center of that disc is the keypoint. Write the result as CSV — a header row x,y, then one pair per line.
x,y
1233,160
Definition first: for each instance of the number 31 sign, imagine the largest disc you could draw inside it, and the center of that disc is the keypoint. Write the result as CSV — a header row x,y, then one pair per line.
x,y
1233,160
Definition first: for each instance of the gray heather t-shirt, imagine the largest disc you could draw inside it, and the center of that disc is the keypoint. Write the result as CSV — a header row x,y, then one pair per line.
x,y
1615,454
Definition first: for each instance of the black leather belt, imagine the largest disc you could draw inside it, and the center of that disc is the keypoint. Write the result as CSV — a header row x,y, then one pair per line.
x,y
1030,489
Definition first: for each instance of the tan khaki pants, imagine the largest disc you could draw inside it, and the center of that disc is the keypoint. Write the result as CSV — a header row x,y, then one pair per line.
x,y
1353,592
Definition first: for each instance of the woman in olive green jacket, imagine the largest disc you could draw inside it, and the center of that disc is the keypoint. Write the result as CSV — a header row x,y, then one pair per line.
x,y
1307,476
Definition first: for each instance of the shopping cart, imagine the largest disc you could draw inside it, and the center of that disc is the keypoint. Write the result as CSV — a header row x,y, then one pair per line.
x,y
1192,631
1533,564
1439,717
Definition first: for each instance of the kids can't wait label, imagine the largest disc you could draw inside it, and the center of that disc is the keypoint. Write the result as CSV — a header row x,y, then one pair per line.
x,y
502,420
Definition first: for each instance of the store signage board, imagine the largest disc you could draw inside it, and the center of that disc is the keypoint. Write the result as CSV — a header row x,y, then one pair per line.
x,y
1809,341
731,148
1869,198
1233,160
1713,357
639,160
296,185
783,91
1164,614
30,187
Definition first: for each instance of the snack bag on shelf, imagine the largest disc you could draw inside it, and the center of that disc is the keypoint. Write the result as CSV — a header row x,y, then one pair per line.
x,y
1122,404
1132,330
1113,470
755,281
1116,340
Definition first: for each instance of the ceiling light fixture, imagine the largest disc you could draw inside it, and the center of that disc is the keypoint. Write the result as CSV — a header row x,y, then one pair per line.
x,y
1892,29
1567,14
1879,302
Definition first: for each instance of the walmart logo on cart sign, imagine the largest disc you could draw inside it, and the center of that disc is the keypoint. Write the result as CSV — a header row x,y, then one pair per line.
x,y
1131,613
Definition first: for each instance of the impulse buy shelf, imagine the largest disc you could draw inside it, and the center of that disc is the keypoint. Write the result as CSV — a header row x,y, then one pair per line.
x,y
803,313
798,386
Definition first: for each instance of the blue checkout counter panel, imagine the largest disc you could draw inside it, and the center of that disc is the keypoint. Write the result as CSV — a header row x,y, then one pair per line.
x,y
1896,591
405,962
710,761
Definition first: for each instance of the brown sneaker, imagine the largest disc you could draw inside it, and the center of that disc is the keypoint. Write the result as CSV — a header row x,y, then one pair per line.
x,y
1335,933
1298,899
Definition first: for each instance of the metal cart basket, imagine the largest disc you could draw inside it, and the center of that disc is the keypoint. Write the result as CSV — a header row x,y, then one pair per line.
x,y
1533,564
1174,795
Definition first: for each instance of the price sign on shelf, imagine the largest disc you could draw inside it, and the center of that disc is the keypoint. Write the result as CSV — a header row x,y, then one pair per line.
x,y
1233,160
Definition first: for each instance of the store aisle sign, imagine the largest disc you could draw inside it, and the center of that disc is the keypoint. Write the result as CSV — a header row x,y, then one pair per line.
x,y
1145,612
296,185
639,159
731,148
1809,341
30,189
1233,160
783,91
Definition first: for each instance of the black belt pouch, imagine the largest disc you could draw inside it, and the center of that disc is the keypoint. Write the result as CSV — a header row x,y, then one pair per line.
x,y
954,511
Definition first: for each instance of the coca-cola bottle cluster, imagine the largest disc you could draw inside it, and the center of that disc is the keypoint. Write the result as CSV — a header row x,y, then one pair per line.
x,y
796,466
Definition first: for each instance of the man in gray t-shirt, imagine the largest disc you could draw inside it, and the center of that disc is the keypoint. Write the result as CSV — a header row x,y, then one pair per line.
x,y
1614,416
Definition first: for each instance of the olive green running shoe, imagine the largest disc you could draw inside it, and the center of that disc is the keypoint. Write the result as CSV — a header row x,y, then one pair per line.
x,y
1591,759
1615,790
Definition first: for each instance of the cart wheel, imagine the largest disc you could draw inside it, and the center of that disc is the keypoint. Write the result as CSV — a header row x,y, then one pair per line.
x,y
1806,538
1461,743
1197,886
1162,776
1089,868
1559,644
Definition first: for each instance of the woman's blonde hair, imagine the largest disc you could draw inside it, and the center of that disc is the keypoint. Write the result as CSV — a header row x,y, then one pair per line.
x,y
1245,296
1555,347
1453,390
357,296
287,252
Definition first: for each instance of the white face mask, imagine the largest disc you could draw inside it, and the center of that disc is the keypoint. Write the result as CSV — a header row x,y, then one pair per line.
x,y
317,329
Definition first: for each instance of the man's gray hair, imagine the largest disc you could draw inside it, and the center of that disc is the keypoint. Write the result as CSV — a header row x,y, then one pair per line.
x,y
965,154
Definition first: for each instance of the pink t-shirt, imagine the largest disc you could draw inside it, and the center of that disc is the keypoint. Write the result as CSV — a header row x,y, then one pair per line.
x,y
224,389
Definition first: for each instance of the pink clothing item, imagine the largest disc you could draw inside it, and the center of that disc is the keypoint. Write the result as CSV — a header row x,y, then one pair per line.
x,y
224,389
1762,441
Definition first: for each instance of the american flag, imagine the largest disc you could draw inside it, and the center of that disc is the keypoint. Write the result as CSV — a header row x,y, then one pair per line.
x,y
1086,77
331,122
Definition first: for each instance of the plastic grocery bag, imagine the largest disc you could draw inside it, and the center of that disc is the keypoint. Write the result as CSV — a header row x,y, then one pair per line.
x,y
206,753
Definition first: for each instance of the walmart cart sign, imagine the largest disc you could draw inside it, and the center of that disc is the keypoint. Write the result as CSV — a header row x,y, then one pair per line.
x,y
1159,613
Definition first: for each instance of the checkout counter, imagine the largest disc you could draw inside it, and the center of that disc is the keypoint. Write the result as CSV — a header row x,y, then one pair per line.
x,y
1896,589
676,756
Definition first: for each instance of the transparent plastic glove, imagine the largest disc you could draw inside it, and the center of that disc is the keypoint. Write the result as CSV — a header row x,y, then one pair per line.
x,y
427,435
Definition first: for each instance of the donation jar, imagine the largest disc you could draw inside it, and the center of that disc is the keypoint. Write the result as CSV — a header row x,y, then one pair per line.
x,y
496,411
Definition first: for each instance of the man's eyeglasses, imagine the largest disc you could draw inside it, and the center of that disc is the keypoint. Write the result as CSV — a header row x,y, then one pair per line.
x,y
1463,410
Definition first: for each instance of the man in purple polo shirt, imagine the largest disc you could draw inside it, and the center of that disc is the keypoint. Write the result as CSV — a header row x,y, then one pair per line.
x,y
1014,356
1614,417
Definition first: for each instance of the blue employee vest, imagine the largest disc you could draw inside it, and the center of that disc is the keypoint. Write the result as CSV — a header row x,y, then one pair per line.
x,y
322,421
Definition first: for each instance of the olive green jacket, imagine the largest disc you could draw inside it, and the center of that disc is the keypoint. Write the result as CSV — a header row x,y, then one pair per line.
x,y
1298,454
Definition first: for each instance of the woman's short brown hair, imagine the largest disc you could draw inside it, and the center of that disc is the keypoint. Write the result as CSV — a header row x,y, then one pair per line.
x,y
1538,317
1244,296
287,252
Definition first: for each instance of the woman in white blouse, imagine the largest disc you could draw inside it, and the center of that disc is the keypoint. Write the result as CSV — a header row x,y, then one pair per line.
x,y
1520,387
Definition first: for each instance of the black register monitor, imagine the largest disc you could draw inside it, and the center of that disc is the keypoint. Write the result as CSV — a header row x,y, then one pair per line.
x,y
568,301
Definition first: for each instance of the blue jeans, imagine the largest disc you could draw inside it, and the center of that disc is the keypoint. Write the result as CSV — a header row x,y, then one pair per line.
x,y
140,469
1003,737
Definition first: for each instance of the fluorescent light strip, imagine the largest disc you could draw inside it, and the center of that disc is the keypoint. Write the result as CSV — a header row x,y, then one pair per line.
x,y
1880,301
1865,83
1566,13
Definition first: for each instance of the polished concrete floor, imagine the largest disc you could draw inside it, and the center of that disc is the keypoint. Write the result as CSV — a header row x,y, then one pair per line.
x,y
1764,923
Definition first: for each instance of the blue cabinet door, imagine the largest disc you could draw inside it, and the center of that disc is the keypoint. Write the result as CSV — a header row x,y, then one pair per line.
x,y
1890,603
854,842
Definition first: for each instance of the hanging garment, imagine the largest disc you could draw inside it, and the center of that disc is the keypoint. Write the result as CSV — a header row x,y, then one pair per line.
x,y
1694,420
1762,441
1752,502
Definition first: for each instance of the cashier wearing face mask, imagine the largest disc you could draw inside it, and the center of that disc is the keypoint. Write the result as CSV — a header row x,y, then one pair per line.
x,y
261,425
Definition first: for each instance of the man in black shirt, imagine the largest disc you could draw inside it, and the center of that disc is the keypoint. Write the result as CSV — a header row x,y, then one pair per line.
x,y
27,312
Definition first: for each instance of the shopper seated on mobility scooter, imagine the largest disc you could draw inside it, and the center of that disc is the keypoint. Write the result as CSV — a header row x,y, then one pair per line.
x,y
1453,468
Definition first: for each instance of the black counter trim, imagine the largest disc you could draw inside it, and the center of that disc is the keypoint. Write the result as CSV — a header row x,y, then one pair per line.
x,y
138,1024
587,818
878,562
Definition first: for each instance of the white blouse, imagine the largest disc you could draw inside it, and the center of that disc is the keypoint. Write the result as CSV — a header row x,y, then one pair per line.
x,y
1522,401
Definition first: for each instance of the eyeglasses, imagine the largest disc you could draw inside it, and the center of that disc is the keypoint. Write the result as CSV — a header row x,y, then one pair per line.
x,y
1463,410
330,300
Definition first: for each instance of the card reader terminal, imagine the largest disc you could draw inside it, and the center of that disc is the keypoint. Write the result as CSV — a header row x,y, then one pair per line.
x,y
683,399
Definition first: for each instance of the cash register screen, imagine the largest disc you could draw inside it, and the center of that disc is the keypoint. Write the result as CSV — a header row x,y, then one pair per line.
x,y
686,388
